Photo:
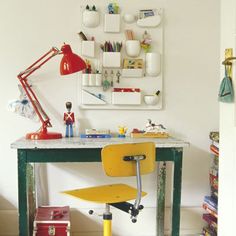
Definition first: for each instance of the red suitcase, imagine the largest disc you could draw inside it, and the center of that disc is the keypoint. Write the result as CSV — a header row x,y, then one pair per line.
x,y
52,221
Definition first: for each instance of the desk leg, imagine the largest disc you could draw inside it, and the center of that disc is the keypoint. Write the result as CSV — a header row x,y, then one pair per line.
x,y
22,193
161,186
31,195
177,178
26,194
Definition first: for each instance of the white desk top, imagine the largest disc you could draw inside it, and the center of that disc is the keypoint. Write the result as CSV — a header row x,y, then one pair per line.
x,y
76,142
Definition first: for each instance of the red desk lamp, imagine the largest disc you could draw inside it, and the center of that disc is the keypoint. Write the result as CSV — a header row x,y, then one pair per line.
x,y
70,63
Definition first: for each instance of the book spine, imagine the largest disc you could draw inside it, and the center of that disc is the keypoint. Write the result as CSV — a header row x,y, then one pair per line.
x,y
94,131
95,136
210,200
209,210
214,149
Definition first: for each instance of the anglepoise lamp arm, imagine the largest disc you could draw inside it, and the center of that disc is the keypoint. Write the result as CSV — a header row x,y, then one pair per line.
x,y
45,120
70,63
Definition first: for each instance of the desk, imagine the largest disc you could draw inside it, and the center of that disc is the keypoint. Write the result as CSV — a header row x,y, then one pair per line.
x,y
88,150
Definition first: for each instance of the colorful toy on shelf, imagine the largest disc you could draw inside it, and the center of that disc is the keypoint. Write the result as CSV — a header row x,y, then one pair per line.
x,y
146,42
113,8
154,128
152,131
122,131
69,120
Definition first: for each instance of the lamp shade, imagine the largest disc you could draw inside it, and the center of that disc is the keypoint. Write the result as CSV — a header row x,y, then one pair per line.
x,y
70,62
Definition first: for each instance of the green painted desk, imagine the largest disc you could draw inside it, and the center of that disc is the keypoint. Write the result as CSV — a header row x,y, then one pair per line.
x,y
88,150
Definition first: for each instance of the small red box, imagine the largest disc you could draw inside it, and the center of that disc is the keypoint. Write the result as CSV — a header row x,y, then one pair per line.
x,y
52,221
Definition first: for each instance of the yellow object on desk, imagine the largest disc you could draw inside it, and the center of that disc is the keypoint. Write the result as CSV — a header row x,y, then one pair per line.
x,y
149,135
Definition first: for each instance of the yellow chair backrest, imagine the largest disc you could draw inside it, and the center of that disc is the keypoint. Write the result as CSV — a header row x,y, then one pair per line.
x,y
115,166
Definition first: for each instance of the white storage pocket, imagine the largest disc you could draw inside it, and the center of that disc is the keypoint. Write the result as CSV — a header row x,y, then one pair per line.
x,y
132,73
88,48
111,59
90,18
89,98
85,79
126,97
153,63
112,23
132,48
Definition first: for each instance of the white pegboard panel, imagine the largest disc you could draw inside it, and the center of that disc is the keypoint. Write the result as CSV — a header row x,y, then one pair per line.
x,y
147,84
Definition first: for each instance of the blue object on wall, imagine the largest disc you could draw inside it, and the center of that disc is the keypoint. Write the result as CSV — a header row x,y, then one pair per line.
x,y
226,92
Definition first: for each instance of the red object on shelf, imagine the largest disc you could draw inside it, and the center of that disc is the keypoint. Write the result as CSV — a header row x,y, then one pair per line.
x,y
214,149
70,63
213,181
210,210
126,90
52,221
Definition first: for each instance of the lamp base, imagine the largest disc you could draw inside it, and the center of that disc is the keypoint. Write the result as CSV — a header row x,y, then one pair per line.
x,y
43,135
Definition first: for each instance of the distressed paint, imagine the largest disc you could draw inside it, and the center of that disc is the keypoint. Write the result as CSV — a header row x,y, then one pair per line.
x,y
161,186
176,195
76,142
31,195
22,193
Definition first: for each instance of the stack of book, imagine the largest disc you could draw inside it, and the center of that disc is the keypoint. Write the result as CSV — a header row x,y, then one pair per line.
x,y
94,133
210,203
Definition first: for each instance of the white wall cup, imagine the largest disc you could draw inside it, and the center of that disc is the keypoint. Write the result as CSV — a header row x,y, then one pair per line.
x,y
85,79
98,81
151,99
111,59
88,48
129,18
132,48
90,18
153,63
92,79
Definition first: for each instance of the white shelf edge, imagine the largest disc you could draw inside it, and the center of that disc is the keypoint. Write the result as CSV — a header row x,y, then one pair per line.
x,y
111,107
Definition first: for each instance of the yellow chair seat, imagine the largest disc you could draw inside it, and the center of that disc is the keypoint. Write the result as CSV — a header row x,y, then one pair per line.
x,y
106,193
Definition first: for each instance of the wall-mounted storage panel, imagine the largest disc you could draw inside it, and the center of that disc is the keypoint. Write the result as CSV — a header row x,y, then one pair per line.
x,y
131,67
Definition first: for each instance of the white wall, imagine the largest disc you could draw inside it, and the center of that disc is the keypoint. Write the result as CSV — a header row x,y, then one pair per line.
x,y
29,28
227,177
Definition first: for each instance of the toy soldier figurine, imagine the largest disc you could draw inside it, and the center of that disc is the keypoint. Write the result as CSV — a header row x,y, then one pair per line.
x,y
69,120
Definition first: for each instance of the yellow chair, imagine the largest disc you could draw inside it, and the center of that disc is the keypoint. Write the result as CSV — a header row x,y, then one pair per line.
x,y
120,160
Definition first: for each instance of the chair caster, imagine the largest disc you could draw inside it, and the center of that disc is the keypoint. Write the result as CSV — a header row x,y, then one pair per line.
x,y
134,220
91,212
140,207
94,213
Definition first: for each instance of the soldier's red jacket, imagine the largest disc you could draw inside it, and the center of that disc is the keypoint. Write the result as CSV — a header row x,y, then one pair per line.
x,y
69,117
